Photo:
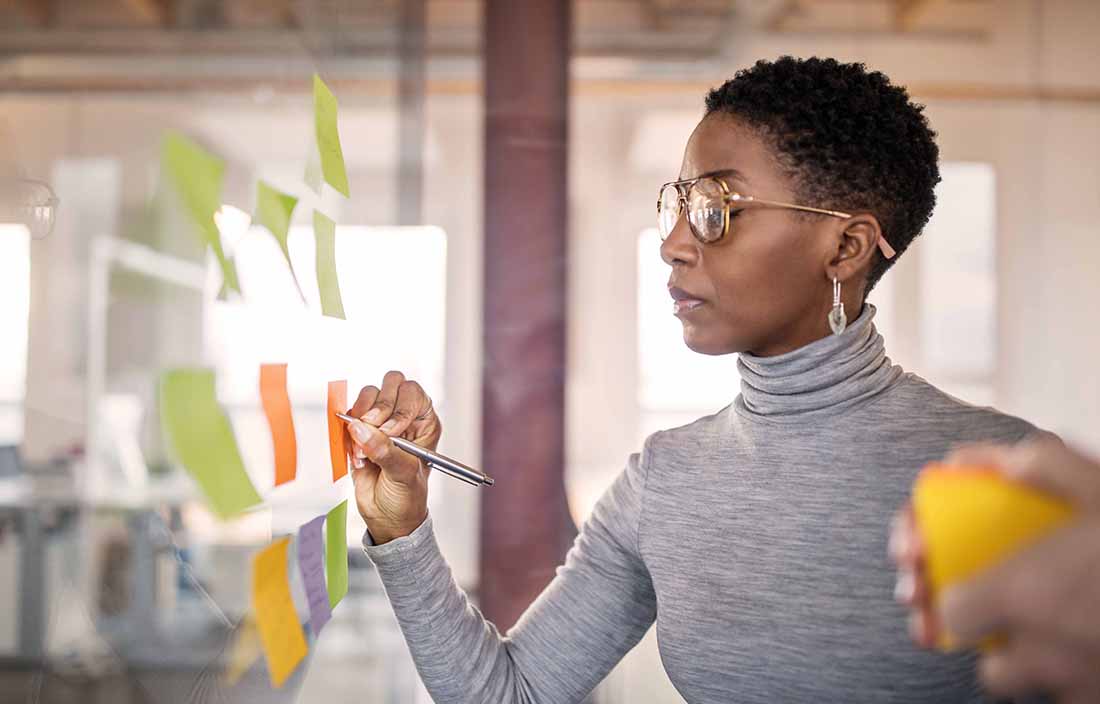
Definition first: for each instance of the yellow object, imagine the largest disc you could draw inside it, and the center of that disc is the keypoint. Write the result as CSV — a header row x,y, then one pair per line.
x,y
971,518
246,650
281,635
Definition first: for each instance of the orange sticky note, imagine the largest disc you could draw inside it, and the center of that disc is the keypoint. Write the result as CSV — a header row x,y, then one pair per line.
x,y
337,442
281,635
279,417
971,518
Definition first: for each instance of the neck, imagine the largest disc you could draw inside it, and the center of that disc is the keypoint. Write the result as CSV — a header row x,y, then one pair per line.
x,y
826,375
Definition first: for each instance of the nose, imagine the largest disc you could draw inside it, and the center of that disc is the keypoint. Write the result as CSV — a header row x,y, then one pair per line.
x,y
680,247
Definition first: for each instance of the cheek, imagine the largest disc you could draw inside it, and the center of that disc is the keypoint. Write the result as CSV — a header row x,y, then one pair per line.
x,y
756,286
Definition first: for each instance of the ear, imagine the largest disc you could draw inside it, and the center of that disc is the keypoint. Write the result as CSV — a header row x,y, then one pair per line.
x,y
856,247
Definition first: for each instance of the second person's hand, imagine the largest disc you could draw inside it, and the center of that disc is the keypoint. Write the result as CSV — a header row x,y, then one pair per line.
x,y
391,486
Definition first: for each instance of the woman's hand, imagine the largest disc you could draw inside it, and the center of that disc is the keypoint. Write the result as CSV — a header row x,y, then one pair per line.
x,y
1045,599
391,486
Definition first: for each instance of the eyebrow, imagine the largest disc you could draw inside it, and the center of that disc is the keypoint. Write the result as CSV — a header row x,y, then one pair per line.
x,y
732,173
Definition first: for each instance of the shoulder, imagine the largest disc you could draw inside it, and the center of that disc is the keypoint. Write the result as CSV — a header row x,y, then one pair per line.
x,y
929,404
689,439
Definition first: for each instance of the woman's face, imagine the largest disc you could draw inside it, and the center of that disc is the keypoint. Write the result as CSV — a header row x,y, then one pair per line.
x,y
763,287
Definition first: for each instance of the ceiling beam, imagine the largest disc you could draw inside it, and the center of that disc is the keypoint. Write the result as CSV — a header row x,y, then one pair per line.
x,y
160,13
40,13
908,13
778,19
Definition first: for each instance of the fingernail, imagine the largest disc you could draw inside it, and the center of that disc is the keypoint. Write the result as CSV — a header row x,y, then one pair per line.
x,y
360,453
388,426
359,432
373,417
905,587
358,462
899,541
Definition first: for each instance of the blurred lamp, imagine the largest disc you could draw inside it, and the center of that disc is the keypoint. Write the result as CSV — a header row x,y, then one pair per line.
x,y
25,201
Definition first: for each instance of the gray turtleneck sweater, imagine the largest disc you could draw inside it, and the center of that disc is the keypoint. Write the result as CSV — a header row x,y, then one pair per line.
x,y
755,537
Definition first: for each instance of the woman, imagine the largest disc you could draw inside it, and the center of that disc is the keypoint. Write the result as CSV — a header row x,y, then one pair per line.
x,y
754,537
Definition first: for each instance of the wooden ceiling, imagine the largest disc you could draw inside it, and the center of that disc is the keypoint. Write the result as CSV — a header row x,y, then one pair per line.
x,y
602,27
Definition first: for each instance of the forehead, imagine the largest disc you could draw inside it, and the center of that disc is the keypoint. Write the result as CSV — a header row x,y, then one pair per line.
x,y
722,142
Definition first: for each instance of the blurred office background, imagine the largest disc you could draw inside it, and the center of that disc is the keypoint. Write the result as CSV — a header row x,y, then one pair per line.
x,y
117,585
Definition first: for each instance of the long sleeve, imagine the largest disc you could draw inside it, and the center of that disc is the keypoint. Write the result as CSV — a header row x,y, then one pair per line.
x,y
599,605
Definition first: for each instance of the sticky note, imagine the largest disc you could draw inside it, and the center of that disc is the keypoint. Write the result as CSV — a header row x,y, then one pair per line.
x,y
201,437
337,438
328,285
284,643
971,518
336,552
196,177
246,649
311,563
328,138
280,419
273,211
312,174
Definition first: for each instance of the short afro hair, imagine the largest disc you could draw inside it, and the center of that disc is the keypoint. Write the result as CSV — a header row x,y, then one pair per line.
x,y
847,137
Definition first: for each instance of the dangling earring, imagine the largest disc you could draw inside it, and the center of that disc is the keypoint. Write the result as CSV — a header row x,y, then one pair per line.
x,y
837,319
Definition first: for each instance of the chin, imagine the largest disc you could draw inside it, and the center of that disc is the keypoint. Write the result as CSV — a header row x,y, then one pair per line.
x,y
704,341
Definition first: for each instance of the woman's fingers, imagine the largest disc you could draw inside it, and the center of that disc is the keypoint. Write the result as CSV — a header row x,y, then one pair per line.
x,y
912,588
380,450
384,404
1049,465
365,401
411,402
1029,665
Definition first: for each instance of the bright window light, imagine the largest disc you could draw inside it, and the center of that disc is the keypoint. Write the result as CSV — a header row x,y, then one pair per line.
x,y
393,285
677,385
15,287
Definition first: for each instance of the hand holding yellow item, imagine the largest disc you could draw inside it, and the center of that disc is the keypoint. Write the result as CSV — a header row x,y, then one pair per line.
x,y
971,518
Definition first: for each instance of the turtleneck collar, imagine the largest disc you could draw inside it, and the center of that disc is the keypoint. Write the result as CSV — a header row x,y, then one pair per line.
x,y
826,376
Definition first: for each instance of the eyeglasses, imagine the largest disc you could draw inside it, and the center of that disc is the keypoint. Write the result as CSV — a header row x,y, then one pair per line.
x,y
711,205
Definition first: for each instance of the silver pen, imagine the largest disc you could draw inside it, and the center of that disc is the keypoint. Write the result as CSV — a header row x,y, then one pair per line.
x,y
435,460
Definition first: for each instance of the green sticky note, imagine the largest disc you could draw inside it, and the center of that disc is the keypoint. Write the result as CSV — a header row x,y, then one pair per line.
x,y
328,138
328,284
273,211
199,434
195,176
312,174
336,553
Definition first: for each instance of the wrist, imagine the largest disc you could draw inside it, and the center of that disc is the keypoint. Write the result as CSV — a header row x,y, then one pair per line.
x,y
383,531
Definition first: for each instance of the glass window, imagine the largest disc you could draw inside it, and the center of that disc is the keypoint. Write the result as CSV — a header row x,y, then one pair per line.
x,y
676,385
15,282
273,325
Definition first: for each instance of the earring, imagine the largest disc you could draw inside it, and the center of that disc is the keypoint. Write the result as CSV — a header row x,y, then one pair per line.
x,y
837,319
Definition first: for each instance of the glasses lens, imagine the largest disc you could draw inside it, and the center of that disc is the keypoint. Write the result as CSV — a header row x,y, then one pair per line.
x,y
668,210
706,210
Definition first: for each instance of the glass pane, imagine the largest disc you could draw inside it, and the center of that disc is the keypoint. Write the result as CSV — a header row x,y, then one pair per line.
x,y
958,275
672,377
15,267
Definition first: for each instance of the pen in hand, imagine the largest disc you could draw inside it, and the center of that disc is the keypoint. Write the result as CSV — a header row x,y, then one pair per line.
x,y
435,460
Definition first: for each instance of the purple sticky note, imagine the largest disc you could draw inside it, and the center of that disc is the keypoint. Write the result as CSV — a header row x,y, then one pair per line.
x,y
311,551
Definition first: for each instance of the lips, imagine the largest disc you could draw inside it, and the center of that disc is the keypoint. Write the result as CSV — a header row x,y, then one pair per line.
x,y
683,301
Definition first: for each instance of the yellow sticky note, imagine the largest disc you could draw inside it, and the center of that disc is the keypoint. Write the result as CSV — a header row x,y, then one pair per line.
x,y
971,518
273,211
195,176
246,650
284,643
328,138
